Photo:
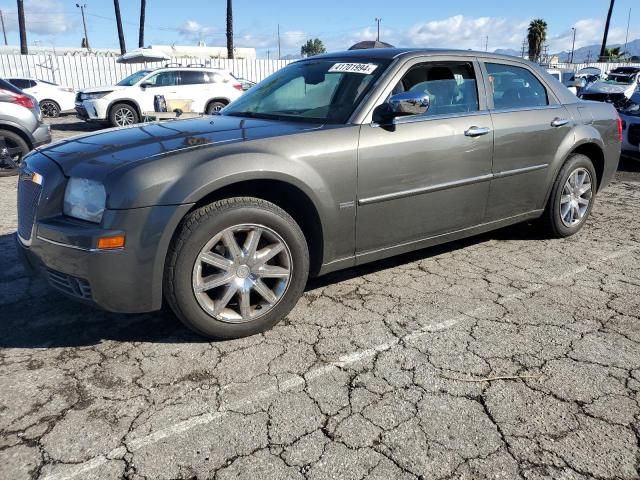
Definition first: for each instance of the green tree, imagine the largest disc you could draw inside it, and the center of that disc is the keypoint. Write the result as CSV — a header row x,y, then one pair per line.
x,y
312,47
536,36
612,54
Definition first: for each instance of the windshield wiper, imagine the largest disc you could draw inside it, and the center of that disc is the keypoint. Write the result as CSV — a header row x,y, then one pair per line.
x,y
266,116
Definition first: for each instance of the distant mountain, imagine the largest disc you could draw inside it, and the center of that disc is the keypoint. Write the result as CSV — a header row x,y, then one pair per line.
x,y
591,52
508,51
582,55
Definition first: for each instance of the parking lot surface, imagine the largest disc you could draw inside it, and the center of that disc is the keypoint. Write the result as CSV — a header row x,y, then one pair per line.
x,y
503,356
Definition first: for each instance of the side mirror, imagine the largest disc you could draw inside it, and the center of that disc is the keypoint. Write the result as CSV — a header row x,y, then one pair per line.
x,y
402,104
146,84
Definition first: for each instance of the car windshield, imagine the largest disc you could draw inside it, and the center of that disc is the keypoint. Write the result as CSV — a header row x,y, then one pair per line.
x,y
320,91
133,78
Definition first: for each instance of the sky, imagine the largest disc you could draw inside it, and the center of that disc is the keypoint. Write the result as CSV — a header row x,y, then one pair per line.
x,y
338,23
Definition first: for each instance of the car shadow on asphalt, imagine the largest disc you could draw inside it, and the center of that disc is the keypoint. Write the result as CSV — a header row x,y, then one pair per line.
x,y
35,316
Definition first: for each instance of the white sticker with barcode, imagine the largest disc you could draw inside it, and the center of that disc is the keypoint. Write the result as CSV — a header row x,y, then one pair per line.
x,y
363,68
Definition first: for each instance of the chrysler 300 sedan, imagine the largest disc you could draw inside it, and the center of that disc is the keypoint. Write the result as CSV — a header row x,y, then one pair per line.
x,y
331,162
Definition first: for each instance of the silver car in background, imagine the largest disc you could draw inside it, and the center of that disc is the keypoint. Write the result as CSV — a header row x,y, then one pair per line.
x,y
21,127
630,116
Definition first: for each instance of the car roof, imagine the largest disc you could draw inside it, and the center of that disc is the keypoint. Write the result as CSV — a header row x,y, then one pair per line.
x,y
392,53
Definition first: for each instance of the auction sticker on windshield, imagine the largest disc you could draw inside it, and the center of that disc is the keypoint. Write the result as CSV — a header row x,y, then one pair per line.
x,y
364,68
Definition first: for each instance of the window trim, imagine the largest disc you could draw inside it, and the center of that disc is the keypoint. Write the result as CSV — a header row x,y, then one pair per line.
x,y
551,96
404,67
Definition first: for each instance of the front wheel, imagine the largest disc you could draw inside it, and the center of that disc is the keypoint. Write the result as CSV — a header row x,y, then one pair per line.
x,y
122,115
49,109
236,268
571,198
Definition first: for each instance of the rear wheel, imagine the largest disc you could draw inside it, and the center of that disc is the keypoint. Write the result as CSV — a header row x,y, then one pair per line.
x,y
214,107
123,114
49,109
236,268
12,149
572,197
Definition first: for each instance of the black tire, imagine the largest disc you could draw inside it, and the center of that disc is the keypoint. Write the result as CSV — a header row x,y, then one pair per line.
x,y
11,158
552,218
49,109
197,230
120,111
215,106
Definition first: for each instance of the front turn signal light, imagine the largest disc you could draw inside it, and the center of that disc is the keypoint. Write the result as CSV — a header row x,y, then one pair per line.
x,y
110,243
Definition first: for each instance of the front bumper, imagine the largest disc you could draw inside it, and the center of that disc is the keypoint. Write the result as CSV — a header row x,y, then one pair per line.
x,y
42,135
64,250
92,110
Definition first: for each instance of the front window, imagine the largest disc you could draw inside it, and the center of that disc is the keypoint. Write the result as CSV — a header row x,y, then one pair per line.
x,y
133,78
321,91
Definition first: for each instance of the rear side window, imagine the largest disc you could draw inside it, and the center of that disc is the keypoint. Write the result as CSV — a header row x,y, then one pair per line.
x,y
515,87
192,77
22,83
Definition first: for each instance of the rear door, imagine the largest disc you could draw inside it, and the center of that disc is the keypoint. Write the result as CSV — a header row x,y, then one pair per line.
x,y
529,125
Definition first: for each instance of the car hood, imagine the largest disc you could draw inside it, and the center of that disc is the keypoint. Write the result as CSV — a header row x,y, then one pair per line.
x,y
606,87
103,88
96,155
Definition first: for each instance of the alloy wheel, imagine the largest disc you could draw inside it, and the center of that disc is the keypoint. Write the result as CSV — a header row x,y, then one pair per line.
x,y
123,117
10,155
242,273
49,109
576,197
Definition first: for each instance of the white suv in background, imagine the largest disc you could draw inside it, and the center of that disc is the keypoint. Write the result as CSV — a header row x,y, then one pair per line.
x,y
52,98
209,90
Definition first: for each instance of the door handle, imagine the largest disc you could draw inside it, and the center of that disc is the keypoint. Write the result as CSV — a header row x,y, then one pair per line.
x,y
559,122
476,131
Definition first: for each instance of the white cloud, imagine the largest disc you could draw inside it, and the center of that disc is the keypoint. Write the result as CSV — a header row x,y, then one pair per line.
x,y
194,30
53,22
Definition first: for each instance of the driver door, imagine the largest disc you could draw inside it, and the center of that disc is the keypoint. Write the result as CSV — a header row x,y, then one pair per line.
x,y
422,176
162,83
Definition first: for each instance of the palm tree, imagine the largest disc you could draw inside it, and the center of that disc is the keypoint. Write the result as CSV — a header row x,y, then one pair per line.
x,y
123,48
23,30
612,54
536,36
229,29
143,6
606,32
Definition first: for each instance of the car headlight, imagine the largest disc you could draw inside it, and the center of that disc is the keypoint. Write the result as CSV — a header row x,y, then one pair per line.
x,y
85,199
94,95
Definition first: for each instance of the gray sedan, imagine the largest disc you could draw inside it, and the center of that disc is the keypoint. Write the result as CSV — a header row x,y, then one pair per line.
x,y
331,162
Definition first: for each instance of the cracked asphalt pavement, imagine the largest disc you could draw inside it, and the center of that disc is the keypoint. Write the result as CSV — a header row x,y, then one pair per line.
x,y
504,356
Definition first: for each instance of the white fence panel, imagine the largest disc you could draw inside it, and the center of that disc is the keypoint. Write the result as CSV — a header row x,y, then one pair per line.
x,y
604,67
94,70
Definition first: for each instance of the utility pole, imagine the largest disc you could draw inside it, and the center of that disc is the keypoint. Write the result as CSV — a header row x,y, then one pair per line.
x,y
230,29
143,7
378,20
23,30
573,45
486,44
4,31
279,56
524,46
84,23
626,38
123,48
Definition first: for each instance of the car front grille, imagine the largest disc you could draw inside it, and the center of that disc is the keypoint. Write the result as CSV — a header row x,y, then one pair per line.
x,y
28,198
74,286
634,134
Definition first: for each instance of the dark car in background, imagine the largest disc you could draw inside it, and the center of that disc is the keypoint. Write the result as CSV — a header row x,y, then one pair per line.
x,y
331,162
21,127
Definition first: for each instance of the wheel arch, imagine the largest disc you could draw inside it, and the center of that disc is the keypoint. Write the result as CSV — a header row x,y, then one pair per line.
x,y
18,131
128,101
47,99
224,100
288,196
